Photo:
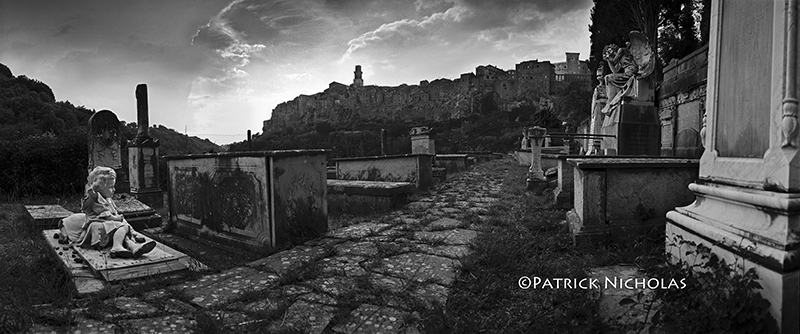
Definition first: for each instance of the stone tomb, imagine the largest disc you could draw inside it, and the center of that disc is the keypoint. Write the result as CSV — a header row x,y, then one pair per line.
x,y
617,199
748,193
249,200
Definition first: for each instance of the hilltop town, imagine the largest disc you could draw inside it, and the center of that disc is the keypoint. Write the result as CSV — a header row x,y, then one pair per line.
x,y
531,82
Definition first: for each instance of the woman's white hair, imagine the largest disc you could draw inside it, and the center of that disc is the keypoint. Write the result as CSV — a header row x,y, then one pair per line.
x,y
98,178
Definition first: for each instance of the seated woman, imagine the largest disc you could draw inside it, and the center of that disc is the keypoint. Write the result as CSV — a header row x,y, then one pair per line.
x,y
100,225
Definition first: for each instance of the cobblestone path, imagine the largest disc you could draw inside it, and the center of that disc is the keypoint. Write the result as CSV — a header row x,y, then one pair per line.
x,y
369,277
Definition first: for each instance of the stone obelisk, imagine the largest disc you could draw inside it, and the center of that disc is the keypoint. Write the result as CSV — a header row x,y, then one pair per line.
x,y
143,156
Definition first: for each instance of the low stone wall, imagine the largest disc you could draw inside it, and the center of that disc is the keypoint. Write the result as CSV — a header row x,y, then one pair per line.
x,y
616,199
249,199
413,168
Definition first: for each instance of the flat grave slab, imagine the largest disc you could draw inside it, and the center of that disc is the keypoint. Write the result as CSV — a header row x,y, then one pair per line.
x,y
47,216
160,260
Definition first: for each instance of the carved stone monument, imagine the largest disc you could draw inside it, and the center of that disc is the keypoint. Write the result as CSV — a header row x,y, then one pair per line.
x,y
143,157
748,193
105,141
104,150
630,115
421,142
536,179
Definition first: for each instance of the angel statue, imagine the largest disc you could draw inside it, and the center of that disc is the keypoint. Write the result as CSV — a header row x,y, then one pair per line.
x,y
633,62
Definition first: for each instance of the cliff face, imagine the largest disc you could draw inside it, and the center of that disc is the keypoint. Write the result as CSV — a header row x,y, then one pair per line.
x,y
440,99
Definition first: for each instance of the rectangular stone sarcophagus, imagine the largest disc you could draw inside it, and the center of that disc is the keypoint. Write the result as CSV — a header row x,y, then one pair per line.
x,y
249,199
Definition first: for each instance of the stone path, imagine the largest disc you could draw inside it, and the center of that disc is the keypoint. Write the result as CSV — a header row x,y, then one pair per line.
x,y
370,277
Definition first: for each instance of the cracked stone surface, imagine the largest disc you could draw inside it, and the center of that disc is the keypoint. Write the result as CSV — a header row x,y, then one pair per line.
x,y
307,317
365,277
168,324
132,306
444,223
450,237
358,231
342,265
219,292
419,267
283,262
372,319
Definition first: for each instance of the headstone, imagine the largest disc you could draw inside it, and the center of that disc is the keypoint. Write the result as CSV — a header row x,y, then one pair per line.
x,y
630,115
143,157
536,179
105,141
421,142
748,208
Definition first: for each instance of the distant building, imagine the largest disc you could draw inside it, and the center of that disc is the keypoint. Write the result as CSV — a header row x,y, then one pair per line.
x,y
357,80
573,69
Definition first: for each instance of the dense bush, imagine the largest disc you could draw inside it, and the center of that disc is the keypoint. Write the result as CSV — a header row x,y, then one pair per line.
x,y
44,164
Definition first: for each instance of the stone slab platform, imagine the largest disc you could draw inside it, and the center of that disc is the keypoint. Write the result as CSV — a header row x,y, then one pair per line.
x,y
161,260
47,216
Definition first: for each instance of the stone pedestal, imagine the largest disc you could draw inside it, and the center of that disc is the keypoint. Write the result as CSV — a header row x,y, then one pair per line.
x,y
536,180
144,174
421,142
748,195
637,128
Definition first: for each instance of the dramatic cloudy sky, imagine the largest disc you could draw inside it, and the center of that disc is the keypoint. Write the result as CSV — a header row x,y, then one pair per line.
x,y
220,66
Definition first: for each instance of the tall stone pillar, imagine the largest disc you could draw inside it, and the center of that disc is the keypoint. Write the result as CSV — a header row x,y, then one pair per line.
x,y
747,207
143,157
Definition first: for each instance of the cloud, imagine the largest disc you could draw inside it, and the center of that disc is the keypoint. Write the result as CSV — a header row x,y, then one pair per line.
x,y
299,76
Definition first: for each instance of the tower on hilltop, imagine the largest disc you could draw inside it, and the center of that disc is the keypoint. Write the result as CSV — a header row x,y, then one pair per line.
x,y
357,81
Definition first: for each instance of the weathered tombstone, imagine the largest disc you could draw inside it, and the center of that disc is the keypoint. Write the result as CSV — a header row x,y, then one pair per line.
x,y
630,115
105,140
143,157
421,142
748,194
536,180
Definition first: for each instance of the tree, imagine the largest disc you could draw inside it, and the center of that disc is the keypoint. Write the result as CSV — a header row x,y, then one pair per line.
x,y
610,24
677,36
572,103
